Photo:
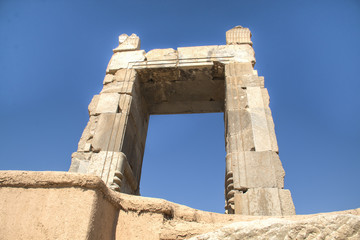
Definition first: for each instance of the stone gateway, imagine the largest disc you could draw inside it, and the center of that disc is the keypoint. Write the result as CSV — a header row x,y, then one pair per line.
x,y
202,79
89,201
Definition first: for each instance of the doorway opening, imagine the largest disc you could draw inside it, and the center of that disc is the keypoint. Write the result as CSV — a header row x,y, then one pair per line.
x,y
184,160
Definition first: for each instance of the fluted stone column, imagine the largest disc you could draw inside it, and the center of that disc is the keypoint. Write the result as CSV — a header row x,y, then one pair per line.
x,y
254,179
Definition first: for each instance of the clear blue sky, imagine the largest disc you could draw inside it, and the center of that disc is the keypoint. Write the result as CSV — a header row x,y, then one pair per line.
x,y
53,56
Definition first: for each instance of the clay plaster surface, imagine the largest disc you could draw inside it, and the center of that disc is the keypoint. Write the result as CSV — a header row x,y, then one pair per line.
x,y
57,205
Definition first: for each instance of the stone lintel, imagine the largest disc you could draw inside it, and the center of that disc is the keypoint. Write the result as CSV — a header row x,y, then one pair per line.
x,y
161,55
194,56
221,53
187,107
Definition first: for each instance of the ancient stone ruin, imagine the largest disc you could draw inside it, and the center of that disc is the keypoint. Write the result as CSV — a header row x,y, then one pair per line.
x,y
89,201
202,79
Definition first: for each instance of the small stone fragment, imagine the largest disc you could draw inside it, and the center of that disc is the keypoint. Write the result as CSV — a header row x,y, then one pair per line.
x,y
128,43
238,35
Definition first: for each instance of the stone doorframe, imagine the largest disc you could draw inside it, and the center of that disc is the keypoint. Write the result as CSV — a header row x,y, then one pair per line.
x,y
202,79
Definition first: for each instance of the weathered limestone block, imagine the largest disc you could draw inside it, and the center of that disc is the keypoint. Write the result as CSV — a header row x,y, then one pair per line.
x,y
248,81
232,125
117,136
108,103
256,169
93,105
262,81
113,167
236,97
84,137
133,146
238,35
239,131
232,143
79,166
118,87
222,53
103,164
85,140
104,131
137,123
242,75
125,103
264,129
128,43
108,79
123,180
94,120
264,202
110,129
271,127
126,187
160,58
80,162
270,121
125,75
140,118
235,69
161,55
265,97
125,60
260,129
255,97
81,155
137,158
258,119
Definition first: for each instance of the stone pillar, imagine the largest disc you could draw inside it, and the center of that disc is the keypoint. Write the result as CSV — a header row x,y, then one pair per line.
x,y
113,142
254,178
